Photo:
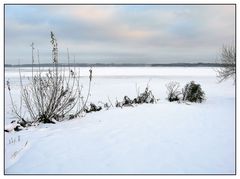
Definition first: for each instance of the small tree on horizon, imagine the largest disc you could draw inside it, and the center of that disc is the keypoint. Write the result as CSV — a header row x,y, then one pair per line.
x,y
228,62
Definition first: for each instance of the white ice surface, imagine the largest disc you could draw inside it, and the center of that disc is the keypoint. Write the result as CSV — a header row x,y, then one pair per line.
x,y
163,138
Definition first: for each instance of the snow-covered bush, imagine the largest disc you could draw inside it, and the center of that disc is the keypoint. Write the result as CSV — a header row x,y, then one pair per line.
x,y
145,97
173,91
92,108
193,92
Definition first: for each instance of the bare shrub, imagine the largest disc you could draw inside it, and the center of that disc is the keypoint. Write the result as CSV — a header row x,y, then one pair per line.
x,y
173,91
53,95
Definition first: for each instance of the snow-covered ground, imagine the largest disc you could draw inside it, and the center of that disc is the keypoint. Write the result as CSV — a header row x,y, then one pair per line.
x,y
161,138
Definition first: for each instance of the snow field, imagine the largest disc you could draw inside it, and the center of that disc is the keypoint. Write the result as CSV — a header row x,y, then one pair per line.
x,y
162,138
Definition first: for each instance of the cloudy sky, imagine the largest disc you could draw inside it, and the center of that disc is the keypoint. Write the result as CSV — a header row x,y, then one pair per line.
x,y
119,33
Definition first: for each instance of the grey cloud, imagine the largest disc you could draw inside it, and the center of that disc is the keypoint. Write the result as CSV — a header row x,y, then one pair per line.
x,y
117,33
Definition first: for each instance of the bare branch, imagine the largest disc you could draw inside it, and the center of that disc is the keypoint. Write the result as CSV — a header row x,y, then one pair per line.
x,y
228,61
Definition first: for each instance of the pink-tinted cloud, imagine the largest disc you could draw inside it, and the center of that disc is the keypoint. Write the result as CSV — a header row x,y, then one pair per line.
x,y
155,32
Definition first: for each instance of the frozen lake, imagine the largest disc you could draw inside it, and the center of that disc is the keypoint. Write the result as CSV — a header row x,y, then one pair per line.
x,y
116,82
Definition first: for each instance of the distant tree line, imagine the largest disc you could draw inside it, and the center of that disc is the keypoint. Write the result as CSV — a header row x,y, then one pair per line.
x,y
120,65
